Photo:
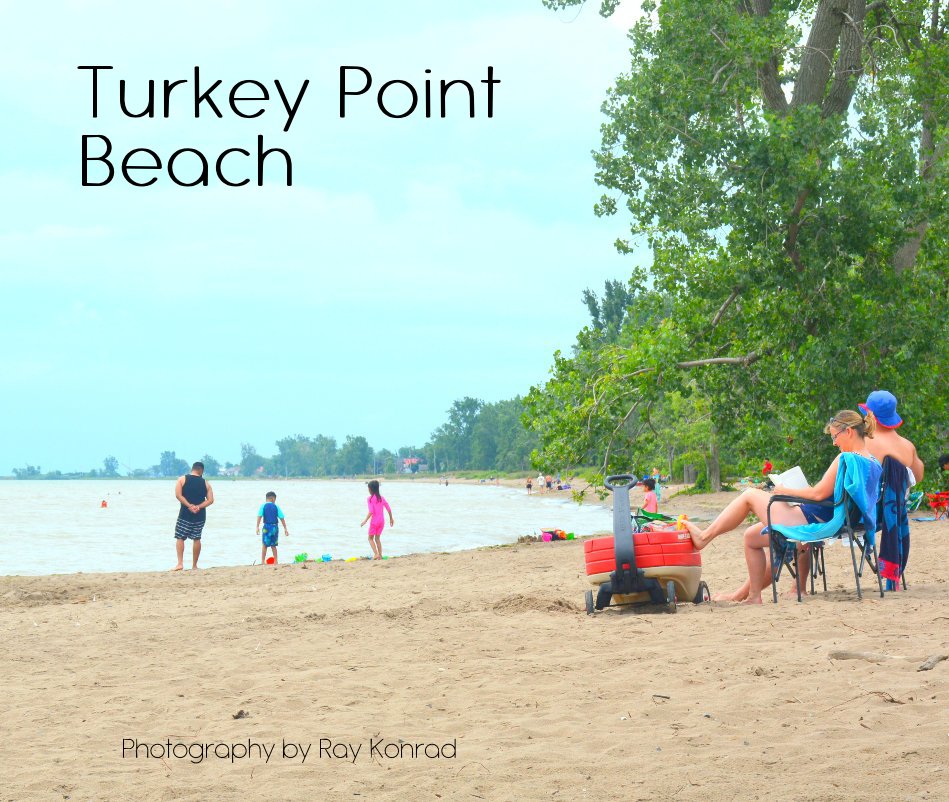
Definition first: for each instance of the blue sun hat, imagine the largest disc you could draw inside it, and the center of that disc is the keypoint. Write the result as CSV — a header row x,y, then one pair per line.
x,y
883,406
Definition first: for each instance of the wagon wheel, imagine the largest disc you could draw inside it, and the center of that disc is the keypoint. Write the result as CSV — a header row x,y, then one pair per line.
x,y
588,598
703,595
670,596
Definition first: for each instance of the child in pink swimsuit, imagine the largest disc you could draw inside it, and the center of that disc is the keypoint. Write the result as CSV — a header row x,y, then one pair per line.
x,y
376,518
650,500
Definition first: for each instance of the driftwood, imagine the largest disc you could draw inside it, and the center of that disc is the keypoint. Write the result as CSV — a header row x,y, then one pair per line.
x,y
876,657
932,661
870,657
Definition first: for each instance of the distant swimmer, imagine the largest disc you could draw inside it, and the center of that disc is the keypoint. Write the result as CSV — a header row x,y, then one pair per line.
x,y
195,495
104,504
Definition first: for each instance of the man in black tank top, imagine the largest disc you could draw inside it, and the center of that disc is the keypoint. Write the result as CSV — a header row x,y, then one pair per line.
x,y
195,496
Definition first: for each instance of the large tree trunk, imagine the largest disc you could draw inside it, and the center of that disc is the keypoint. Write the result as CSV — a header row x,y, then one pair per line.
x,y
714,468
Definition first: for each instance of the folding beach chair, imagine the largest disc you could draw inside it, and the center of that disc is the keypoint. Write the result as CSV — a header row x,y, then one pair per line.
x,y
939,504
894,502
893,522
783,546
641,518
914,500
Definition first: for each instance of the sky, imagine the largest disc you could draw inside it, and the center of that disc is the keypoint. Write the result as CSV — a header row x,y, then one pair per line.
x,y
413,262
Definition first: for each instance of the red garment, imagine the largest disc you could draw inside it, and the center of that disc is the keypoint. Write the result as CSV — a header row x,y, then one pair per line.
x,y
768,467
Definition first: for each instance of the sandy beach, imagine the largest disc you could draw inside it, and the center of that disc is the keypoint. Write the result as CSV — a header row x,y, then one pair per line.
x,y
471,676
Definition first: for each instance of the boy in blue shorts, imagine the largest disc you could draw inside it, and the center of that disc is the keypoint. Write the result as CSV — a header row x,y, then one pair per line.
x,y
272,516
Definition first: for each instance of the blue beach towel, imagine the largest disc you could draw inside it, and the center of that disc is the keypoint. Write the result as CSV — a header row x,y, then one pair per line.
x,y
894,524
859,477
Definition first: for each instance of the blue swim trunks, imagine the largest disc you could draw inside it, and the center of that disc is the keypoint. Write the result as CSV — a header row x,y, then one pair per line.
x,y
269,534
814,513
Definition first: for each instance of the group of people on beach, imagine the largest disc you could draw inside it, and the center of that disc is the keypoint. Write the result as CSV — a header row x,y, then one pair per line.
x,y
870,435
545,483
195,495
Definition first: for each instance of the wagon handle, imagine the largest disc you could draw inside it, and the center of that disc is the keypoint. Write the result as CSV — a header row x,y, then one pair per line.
x,y
630,481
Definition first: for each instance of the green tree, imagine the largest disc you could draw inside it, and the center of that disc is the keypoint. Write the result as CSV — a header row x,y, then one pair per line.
x,y
786,162
499,440
110,466
29,472
211,466
354,456
295,456
170,465
385,461
452,440
251,461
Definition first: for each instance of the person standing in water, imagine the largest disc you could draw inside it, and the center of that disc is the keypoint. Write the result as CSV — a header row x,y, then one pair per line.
x,y
376,518
271,516
195,496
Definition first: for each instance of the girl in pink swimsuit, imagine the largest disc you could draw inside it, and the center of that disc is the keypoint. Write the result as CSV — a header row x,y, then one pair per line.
x,y
376,518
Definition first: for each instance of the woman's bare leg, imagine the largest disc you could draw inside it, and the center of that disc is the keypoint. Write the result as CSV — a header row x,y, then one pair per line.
x,y
729,518
741,593
803,560
751,501
756,557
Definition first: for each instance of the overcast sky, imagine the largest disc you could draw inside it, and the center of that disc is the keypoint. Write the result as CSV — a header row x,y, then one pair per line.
x,y
413,261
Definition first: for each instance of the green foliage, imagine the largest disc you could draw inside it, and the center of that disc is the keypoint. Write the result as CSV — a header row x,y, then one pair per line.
x,y
29,472
211,466
251,461
355,456
171,465
306,456
482,437
795,202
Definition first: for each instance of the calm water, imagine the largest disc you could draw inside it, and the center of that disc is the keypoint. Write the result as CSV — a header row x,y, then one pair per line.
x,y
59,527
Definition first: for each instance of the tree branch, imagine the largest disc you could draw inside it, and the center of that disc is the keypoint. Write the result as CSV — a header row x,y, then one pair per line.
x,y
849,65
817,60
728,302
609,445
767,71
794,227
744,361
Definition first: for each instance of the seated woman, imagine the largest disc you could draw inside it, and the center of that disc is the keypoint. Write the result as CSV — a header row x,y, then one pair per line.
x,y
848,431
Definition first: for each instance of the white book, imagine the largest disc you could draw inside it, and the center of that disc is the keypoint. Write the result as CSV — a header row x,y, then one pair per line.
x,y
793,478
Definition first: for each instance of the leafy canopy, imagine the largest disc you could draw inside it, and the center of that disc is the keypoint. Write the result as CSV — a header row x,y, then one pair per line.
x,y
786,164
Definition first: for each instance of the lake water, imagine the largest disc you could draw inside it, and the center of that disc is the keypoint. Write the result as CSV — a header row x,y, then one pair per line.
x,y
56,527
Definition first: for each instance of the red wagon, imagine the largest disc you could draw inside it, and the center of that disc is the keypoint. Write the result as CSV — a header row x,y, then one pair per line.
x,y
659,565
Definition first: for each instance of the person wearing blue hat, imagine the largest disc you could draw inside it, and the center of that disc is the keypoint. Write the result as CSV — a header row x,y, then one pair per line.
x,y
881,404
903,470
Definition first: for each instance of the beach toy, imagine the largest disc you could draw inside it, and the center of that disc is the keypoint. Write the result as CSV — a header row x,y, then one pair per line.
x,y
351,559
654,567
679,521
271,560
326,558
547,537
301,558
570,536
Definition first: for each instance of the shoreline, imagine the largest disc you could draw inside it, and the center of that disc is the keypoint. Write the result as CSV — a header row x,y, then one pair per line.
x,y
698,507
323,517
